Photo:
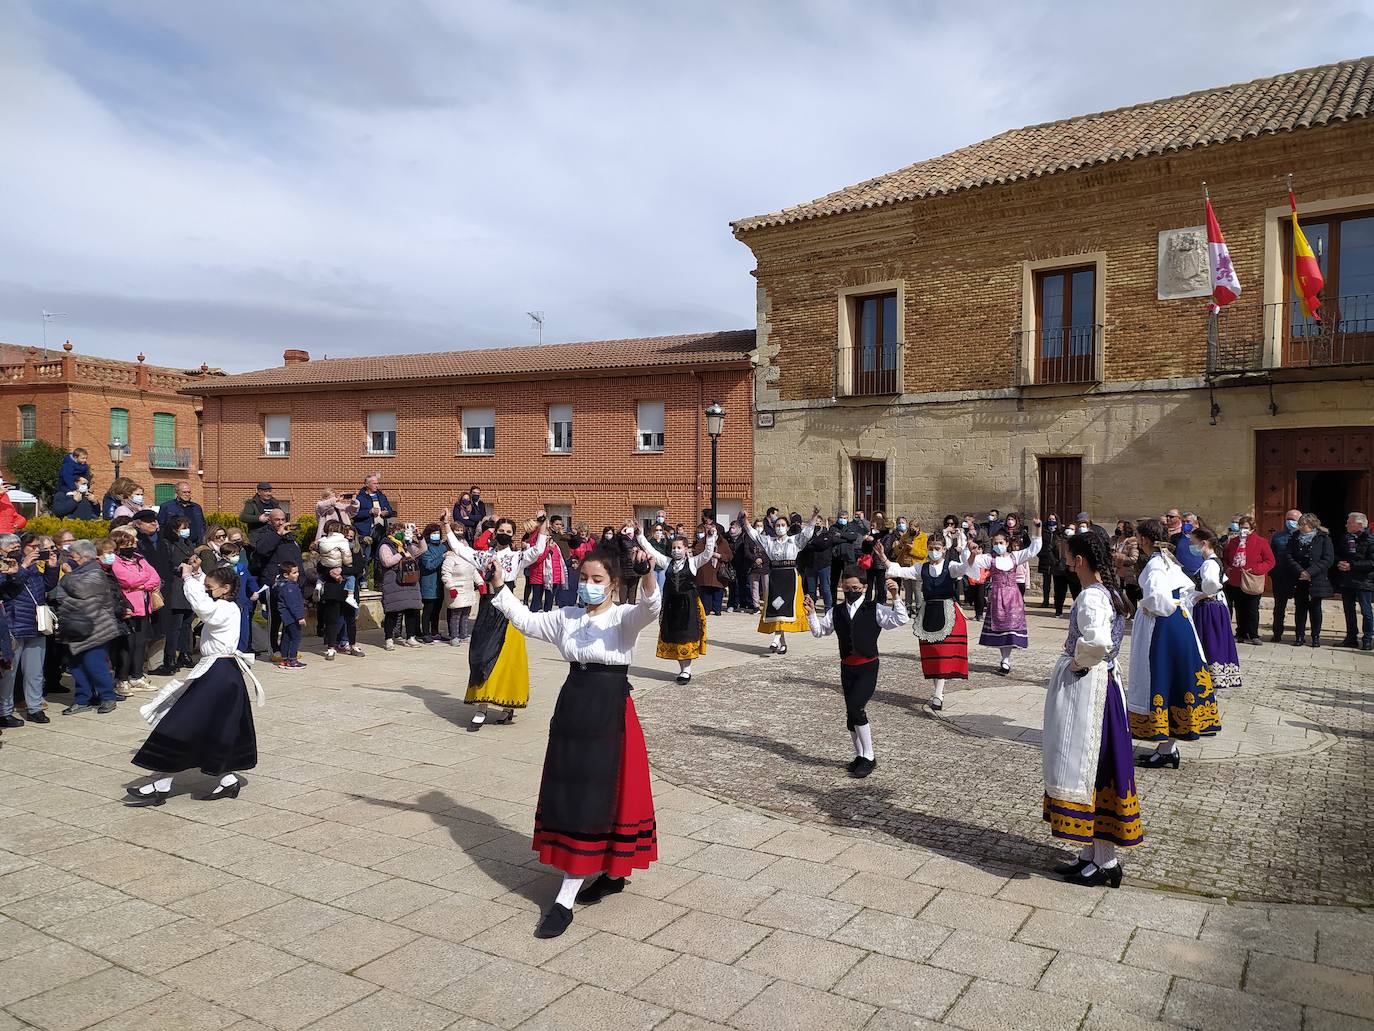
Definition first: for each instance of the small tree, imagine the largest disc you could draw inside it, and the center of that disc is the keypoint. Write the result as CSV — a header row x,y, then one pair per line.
x,y
36,468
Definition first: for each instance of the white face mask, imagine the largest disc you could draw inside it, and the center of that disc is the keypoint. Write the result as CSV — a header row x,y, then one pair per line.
x,y
700,535
81,488
679,554
780,529
999,549
1069,531
136,499
937,557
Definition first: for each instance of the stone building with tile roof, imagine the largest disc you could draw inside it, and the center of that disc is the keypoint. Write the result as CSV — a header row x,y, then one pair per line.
x,y
598,430
1023,323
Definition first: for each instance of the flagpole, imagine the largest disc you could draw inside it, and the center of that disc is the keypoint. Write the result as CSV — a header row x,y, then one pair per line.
x,y
1213,309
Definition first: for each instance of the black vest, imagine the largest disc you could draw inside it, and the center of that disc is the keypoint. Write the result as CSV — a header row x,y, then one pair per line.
x,y
859,635
937,587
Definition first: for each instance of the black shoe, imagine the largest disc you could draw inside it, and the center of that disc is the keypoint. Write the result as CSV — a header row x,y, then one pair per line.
x,y
1316,641
1004,669
107,706
1298,642
863,768
1155,760
1368,646
599,889
139,799
773,649
684,677
232,791
163,671
937,704
74,709
854,764
186,662
1349,642
782,649
12,722
1110,875
1276,637
555,922
1256,641
1072,869
42,717
119,696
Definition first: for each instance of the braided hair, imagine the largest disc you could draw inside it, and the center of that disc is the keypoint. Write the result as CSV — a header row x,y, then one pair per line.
x,y
1094,548
1154,531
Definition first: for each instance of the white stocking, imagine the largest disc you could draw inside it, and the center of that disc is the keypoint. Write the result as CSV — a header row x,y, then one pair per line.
x,y
1006,651
777,638
684,666
865,743
229,780
1104,854
567,893
940,690
858,745
1166,747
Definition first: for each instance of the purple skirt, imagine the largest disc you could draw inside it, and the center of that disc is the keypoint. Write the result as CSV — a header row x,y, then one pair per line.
x,y
1213,622
1005,622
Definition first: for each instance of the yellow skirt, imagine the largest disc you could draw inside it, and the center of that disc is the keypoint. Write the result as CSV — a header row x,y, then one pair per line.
x,y
508,685
689,650
797,623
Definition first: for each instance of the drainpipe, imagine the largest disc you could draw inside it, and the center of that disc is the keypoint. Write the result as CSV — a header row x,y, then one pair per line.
x,y
696,444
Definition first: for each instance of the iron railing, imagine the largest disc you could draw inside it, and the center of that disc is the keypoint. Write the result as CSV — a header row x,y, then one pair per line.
x,y
10,448
169,458
1256,337
1063,354
869,370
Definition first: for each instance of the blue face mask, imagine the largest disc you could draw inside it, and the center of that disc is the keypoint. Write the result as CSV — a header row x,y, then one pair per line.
x,y
1290,524
1187,527
1235,527
591,594
434,538
183,534
841,521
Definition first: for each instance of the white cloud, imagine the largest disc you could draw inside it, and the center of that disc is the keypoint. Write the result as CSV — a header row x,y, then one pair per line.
x,y
217,182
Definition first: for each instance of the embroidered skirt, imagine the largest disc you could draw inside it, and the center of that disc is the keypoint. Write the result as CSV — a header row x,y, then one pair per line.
x,y
1213,621
1114,815
1005,622
944,650
1183,704
693,648
209,728
498,666
596,809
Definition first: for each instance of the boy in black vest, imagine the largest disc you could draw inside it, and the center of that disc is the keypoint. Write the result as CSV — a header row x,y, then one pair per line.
x,y
856,621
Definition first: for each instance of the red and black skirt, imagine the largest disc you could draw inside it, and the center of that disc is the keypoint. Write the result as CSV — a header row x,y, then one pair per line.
x,y
596,809
942,635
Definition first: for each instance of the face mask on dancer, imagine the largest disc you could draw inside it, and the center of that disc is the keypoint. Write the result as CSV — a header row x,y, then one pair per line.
x,y
999,549
591,594
780,529
503,539
679,554
936,557
852,596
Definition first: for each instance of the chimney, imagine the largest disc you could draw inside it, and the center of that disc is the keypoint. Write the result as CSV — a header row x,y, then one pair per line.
x,y
292,356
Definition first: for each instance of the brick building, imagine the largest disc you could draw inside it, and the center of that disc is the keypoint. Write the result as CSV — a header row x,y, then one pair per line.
x,y
596,430
77,400
1023,323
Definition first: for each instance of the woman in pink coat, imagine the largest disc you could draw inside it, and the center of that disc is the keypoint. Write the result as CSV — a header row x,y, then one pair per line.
x,y
137,580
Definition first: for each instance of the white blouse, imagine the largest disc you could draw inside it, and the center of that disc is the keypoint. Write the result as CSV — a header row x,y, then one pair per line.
x,y
1094,615
694,562
785,548
1210,577
890,617
581,636
219,619
1158,581
513,561
1003,562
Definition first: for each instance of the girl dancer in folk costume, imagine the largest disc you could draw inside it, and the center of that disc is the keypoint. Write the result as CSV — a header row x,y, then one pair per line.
x,y
941,630
856,621
1169,693
498,668
1090,794
682,626
1005,625
595,815
782,609
1212,616
204,722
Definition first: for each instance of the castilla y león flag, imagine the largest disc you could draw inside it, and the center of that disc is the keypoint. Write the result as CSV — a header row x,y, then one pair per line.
x,y
1225,282
1307,273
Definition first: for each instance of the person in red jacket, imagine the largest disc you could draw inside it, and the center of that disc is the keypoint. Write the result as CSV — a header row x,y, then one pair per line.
x,y
10,519
1246,552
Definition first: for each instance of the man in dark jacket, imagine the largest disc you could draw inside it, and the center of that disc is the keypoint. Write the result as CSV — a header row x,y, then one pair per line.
x,y
813,562
268,548
150,547
83,603
1279,576
256,508
848,536
183,506
375,511
75,503
1355,564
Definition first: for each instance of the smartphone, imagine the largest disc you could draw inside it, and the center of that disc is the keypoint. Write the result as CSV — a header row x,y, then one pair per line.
x,y
410,529
347,497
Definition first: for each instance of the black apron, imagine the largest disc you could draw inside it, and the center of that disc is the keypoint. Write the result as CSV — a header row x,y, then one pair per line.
x,y
577,796
681,619
782,585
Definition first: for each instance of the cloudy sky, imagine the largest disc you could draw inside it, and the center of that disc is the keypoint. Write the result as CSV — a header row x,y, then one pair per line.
x,y
216,182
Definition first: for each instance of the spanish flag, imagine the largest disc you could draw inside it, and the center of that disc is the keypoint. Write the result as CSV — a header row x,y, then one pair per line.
x,y
1307,273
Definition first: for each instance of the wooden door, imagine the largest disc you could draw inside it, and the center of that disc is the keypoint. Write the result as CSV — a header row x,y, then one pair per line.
x,y
1061,487
870,487
1283,458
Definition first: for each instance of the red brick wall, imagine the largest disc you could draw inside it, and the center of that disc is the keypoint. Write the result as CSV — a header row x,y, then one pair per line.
x,y
961,256
602,480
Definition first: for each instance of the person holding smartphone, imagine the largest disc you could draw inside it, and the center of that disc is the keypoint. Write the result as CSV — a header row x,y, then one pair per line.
x,y
335,504
29,573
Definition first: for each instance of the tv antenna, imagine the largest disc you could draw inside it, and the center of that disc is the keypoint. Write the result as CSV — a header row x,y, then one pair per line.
x,y
48,316
537,317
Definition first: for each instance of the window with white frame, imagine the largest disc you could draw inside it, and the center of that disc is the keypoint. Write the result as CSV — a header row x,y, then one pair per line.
x,y
560,428
479,430
650,423
381,433
276,435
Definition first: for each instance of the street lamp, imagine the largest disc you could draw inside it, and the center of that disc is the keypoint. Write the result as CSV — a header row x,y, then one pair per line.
x,y
116,454
715,422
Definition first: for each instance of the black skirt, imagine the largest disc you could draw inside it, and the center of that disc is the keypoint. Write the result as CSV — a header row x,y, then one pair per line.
x,y
681,619
582,762
210,727
782,591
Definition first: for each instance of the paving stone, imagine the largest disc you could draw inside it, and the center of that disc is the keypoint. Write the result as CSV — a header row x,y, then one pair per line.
x,y
742,832
47,966
175,1011
229,902
875,857
17,938
688,1022
629,915
351,943
805,843
391,899
456,918
588,1008
1098,980
899,984
802,959
1098,938
1314,1019
1152,910
701,987
386,1011
896,1020
87,1001
1205,1006
301,996
804,914
1104,1017
222,975
891,894
803,876
660,880
423,967
710,936
1211,962
961,911
942,872
76,900
968,952
1051,893
728,861
167,946
118,922
610,961
1348,947
723,895
785,1006
893,935
987,1006
1251,928
514,938
1312,984
503,992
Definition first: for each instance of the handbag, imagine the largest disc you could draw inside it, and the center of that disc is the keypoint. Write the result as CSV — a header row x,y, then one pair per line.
x,y
725,572
45,622
409,575
155,599
1251,583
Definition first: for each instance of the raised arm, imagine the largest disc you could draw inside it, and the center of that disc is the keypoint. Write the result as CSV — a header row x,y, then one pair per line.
x,y
534,551
708,552
1024,555
657,557
648,604
201,603
822,624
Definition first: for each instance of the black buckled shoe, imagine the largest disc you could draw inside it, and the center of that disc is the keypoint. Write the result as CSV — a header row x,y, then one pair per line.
x,y
557,920
138,798
1108,875
1072,869
1156,760
601,887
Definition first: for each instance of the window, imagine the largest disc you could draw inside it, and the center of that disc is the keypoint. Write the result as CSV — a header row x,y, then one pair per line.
x,y
874,358
479,430
1065,317
28,423
1344,246
870,487
562,511
650,422
163,493
119,425
1061,487
560,428
276,435
164,430
381,433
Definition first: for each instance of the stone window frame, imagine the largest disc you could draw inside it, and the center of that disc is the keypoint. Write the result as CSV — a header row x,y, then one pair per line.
x,y
847,316
1025,367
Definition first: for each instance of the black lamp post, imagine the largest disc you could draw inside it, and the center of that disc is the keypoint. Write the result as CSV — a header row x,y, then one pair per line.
x,y
715,422
116,454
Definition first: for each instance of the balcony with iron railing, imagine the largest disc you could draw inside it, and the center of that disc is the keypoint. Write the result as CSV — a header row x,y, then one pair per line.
x,y
169,458
1062,354
10,448
869,370
1261,337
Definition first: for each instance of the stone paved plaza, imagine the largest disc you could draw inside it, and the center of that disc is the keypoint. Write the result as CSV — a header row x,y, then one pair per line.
x,y
376,872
